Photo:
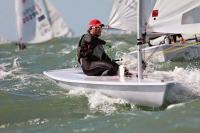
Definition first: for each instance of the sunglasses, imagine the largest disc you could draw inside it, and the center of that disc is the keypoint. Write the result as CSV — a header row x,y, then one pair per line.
x,y
99,27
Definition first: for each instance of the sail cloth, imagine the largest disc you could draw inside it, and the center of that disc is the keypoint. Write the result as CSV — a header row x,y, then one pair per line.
x,y
124,15
32,24
57,23
36,24
147,7
175,16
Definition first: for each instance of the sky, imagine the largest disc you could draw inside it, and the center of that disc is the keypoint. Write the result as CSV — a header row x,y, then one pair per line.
x,y
76,13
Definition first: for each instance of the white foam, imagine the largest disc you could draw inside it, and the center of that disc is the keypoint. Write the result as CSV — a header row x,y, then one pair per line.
x,y
187,87
189,78
118,43
3,71
98,101
4,126
78,92
74,46
65,51
3,74
175,106
15,63
89,117
37,121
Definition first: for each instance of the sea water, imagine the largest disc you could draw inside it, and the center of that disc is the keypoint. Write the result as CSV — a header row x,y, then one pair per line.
x,y
30,103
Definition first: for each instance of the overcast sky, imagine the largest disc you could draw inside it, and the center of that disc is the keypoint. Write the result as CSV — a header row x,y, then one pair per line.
x,y
76,14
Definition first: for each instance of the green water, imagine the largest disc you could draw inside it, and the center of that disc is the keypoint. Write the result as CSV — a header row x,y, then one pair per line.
x,y
29,102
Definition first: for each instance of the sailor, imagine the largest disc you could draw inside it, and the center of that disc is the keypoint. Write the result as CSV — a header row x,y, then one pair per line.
x,y
174,38
21,45
91,55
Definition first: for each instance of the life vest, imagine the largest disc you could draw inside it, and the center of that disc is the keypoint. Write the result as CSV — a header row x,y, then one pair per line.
x,y
89,51
98,51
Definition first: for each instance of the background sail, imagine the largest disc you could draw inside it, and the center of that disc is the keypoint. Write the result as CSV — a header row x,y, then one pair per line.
x,y
32,24
124,15
57,23
175,17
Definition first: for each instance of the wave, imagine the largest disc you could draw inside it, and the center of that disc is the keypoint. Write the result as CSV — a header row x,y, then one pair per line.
x,y
99,102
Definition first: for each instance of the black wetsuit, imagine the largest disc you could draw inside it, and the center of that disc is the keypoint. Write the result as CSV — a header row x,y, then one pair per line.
x,y
94,61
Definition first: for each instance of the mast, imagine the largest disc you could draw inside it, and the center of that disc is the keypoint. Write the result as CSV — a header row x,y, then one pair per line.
x,y
19,41
17,22
139,40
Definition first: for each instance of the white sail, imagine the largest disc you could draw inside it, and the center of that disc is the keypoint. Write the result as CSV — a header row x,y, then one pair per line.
x,y
176,16
146,7
32,24
124,15
58,25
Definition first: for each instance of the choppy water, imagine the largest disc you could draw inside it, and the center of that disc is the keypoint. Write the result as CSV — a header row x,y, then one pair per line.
x,y
31,103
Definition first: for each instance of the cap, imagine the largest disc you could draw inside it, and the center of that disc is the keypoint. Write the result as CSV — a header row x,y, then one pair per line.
x,y
95,22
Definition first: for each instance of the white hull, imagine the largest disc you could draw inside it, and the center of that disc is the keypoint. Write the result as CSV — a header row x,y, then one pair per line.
x,y
149,92
166,52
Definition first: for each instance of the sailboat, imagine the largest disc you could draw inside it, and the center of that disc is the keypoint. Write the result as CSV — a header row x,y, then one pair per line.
x,y
141,90
57,23
36,24
123,16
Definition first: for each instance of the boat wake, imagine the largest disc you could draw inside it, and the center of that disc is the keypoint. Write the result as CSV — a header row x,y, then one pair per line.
x,y
12,71
187,87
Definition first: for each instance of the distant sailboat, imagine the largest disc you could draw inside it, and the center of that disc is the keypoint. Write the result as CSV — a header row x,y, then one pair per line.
x,y
32,23
183,19
123,16
57,23
35,24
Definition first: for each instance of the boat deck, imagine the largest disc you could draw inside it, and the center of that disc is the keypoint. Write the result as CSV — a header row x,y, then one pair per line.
x,y
77,76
